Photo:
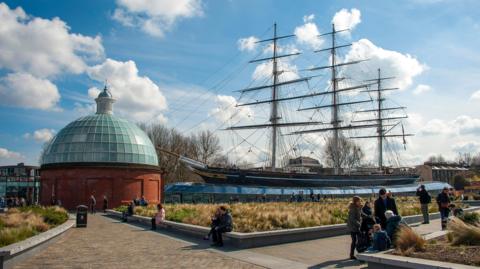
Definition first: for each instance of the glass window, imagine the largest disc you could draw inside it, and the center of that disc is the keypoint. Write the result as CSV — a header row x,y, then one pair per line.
x,y
121,147
104,137
98,138
113,157
105,147
128,148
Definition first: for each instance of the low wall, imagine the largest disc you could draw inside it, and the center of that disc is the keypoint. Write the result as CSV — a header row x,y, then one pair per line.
x,y
385,260
10,254
258,239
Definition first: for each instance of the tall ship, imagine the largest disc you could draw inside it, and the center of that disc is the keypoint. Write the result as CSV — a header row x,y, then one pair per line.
x,y
343,111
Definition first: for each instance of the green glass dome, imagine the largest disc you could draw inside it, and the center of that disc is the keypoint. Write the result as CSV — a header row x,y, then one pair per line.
x,y
101,138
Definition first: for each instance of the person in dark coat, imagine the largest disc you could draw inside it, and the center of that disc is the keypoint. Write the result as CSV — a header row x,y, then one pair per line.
x,y
215,222
393,223
105,204
425,199
354,222
225,225
443,201
367,210
382,204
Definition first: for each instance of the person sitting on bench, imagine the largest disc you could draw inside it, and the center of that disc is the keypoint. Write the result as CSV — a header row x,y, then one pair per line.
x,y
159,216
225,225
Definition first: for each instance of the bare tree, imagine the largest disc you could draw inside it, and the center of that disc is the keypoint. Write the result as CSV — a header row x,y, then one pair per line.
x,y
349,154
436,159
204,147
208,146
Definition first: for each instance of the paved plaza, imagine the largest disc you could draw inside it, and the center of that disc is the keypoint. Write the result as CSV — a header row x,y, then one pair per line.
x,y
108,243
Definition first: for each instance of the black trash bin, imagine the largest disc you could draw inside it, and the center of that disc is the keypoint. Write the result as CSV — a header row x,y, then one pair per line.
x,y
82,212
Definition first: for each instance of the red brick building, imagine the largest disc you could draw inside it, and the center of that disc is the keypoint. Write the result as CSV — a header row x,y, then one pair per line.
x,y
100,155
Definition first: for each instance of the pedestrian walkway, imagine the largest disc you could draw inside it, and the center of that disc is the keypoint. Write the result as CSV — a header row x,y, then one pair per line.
x,y
108,243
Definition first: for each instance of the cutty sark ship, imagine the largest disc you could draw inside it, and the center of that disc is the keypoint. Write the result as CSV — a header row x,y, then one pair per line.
x,y
384,125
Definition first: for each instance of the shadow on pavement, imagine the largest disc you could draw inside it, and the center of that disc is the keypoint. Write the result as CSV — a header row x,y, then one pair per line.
x,y
337,264
195,243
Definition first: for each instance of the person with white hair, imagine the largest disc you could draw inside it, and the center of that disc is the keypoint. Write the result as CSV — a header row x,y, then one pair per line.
x,y
393,223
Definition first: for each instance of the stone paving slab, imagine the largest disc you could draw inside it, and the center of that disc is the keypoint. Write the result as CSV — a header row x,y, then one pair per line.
x,y
107,243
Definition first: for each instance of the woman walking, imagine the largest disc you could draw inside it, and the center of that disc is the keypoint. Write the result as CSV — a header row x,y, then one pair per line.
x,y
354,222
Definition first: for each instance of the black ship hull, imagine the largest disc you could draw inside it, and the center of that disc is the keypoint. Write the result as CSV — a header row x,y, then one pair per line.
x,y
283,179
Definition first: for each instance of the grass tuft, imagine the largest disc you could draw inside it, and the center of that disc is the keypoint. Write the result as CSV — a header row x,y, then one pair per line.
x,y
407,241
463,234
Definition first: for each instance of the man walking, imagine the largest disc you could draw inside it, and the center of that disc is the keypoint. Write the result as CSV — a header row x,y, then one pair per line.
x,y
382,204
425,199
443,201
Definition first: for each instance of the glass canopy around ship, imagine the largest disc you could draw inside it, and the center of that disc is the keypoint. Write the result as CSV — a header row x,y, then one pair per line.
x,y
101,138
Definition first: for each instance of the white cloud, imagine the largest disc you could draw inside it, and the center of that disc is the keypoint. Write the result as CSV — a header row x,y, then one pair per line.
x,y
155,17
41,135
264,70
469,146
43,47
308,34
462,125
467,125
308,18
10,157
226,109
247,44
138,98
345,19
403,67
475,95
27,91
421,88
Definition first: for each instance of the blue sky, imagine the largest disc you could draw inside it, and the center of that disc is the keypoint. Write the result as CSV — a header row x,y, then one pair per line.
x,y
175,52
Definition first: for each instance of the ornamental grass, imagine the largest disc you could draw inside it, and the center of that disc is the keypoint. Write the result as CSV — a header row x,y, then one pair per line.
x,y
254,217
462,233
21,223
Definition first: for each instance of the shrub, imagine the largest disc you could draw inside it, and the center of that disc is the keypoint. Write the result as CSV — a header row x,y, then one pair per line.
x,y
407,240
462,233
472,218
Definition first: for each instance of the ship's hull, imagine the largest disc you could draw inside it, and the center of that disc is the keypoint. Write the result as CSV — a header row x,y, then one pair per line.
x,y
281,179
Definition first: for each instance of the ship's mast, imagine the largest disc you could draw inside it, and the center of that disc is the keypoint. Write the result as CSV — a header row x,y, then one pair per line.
x,y
275,118
380,119
336,150
274,113
379,122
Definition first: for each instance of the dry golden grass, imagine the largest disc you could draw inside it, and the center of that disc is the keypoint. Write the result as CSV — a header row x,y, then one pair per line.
x,y
462,233
252,217
19,224
407,240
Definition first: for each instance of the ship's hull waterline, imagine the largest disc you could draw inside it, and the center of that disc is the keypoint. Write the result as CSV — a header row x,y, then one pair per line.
x,y
279,179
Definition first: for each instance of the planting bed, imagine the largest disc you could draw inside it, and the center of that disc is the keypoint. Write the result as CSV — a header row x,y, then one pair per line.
x,y
257,217
441,250
21,223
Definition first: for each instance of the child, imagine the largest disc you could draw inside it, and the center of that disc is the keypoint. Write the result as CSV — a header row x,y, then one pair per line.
x,y
381,241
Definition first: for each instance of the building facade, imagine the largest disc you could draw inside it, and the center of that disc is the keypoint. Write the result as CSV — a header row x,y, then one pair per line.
x,y
100,155
444,172
22,181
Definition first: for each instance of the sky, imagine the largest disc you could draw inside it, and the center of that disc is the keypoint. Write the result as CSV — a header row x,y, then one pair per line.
x,y
180,62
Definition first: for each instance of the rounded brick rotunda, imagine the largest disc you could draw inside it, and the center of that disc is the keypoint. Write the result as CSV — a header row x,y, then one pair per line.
x,y
99,155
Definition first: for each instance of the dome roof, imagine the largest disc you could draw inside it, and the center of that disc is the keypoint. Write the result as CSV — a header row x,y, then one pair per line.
x,y
100,138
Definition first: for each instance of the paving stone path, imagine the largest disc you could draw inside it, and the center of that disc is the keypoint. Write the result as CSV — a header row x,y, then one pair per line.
x,y
107,243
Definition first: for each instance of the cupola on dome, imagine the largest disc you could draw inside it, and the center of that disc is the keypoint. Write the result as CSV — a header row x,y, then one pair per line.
x,y
101,138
